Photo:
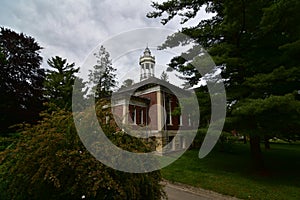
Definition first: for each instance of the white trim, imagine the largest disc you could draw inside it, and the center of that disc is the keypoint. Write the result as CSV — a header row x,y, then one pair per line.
x,y
147,91
180,121
132,102
153,89
160,122
134,112
142,117
125,114
170,112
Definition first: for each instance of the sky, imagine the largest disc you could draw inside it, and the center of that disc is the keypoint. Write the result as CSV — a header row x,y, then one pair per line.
x,y
73,29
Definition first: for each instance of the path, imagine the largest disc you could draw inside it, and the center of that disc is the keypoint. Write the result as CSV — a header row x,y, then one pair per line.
x,y
177,191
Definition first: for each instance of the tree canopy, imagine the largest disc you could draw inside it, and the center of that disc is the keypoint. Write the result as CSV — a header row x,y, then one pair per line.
x,y
164,76
126,83
255,44
21,80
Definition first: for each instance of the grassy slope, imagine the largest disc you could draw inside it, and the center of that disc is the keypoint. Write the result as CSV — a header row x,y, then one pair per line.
x,y
232,174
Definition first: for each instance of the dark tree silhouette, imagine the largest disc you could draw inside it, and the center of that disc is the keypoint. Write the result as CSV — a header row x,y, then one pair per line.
x,y
21,80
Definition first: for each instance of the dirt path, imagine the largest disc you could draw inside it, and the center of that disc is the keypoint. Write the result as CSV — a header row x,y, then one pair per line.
x,y
177,191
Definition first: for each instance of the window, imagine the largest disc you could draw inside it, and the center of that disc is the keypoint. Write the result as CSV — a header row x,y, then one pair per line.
x,y
133,116
168,108
147,65
141,117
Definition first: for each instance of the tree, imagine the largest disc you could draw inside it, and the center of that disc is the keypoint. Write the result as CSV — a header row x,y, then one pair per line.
x,y
127,83
254,43
164,76
50,162
103,76
21,80
59,82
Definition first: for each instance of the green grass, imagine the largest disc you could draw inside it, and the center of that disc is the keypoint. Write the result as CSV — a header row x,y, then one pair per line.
x,y
232,174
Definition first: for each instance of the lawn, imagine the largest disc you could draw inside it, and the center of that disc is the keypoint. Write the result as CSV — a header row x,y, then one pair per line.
x,y
232,174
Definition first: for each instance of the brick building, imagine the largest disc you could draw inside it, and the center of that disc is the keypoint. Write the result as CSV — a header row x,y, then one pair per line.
x,y
147,107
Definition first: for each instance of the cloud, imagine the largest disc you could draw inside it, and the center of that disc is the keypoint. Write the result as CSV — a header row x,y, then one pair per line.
x,y
72,29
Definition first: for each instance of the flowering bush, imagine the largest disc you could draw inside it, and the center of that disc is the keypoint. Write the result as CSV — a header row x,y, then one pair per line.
x,y
50,162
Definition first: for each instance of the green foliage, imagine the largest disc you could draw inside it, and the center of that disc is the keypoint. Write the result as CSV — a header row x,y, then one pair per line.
x,y
279,82
50,162
199,138
59,83
205,105
103,76
127,83
8,142
256,46
21,80
226,141
224,144
275,115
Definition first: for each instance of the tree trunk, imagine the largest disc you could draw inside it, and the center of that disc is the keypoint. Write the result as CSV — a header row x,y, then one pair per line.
x,y
256,152
245,139
267,143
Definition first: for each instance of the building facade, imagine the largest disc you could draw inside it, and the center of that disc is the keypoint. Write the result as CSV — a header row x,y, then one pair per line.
x,y
150,107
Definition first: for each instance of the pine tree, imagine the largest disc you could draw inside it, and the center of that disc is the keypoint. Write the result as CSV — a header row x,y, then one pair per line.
x,y
164,76
255,44
127,83
59,82
103,77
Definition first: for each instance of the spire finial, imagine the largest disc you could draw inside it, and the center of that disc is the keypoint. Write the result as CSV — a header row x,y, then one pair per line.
x,y
147,51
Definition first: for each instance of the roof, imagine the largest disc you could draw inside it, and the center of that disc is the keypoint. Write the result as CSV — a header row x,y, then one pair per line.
x,y
152,82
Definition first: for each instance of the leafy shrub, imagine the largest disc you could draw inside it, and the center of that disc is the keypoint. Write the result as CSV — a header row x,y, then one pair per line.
x,y
197,142
50,162
225,142
5,142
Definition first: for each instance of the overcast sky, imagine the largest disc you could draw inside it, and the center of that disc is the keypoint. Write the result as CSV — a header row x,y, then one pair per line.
x,y
73,28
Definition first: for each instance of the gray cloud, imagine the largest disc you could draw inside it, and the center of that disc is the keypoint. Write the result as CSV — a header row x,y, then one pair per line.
x,y
72,29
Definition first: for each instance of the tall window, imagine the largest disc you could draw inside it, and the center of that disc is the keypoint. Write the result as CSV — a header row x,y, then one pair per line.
x,y
133,116
147,65
168,108
141,117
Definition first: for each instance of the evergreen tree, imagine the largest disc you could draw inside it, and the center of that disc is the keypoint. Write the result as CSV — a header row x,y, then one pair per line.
x,y
103,76
59,82
255,44
127,83
21,80
164,76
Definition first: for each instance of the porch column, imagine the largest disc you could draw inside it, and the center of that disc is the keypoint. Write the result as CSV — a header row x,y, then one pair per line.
x,y
173,144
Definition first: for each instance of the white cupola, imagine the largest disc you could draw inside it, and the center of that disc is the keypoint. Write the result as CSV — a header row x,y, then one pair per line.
x,y
147,63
